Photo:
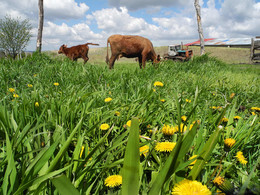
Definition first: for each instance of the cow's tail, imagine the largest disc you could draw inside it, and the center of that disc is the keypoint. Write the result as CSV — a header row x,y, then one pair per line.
x,y
107,57
91,44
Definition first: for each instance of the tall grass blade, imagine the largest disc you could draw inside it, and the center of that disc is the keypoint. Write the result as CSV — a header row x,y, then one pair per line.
x,y
131,165
10,173
64,147
206,150
252,172
40,161
39,180
164,172
64,186
84,171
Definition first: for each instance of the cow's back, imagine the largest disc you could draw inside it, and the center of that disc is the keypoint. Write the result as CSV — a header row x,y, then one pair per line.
x,y
129,45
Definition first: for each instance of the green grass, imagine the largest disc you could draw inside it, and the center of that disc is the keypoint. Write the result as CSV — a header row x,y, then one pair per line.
x,y
59,143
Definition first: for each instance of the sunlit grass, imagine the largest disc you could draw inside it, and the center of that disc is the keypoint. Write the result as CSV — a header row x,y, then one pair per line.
x,y
62,130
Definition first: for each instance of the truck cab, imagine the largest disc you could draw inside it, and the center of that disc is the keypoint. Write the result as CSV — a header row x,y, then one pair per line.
x,y
173,50
178,53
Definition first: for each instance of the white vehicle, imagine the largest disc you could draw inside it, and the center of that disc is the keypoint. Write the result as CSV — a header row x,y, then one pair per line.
x,y
177,53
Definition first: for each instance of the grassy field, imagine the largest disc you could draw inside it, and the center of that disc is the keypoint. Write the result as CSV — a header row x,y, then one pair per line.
x,y
66,127
229,55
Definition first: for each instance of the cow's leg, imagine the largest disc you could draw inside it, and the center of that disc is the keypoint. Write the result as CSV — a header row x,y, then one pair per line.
x,y
144,56
85,58
112,60
140,62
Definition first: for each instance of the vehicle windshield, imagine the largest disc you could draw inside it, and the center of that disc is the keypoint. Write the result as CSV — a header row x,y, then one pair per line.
x,y
172,48
178,47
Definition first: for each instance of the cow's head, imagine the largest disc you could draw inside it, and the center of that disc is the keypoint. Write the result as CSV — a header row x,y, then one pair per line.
x,y
156,59
61,50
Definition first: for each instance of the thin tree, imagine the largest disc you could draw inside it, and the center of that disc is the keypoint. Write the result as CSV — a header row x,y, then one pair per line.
x,y
15,34
40,27
202,44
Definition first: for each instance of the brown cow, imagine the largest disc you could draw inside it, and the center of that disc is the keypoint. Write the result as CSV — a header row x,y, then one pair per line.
x,y
130,46
75,52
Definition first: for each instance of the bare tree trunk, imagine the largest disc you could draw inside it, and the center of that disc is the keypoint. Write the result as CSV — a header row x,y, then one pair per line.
x,y
202,44
40,27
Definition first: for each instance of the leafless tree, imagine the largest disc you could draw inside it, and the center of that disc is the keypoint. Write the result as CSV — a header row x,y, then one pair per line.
x,y
40,27
202,44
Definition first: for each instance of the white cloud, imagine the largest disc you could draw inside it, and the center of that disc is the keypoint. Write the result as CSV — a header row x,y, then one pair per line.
x,y
56,35
67,21
137,4
235,18
53,9
64,9
118,21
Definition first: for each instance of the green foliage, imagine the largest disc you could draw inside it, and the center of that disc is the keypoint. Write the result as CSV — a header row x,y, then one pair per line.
x,y
51,141
130,172
14,35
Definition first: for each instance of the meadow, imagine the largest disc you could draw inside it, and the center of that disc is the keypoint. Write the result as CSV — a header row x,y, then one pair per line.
x,y
73,128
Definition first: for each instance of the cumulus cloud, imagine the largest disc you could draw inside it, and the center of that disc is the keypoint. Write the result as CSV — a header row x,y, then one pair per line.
x,y
235,18
64,9
118,21
70,22
58,9
137,4
55,35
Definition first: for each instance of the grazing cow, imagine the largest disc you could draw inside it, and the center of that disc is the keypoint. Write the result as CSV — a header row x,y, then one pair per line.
x,y
130,46
75,52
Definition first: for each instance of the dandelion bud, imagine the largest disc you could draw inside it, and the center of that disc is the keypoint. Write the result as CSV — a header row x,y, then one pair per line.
x,y
224,185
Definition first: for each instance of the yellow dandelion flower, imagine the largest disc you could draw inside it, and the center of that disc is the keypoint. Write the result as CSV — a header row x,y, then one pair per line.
x,y
240,157
128,123
188,187
36,104
162,100
224,119
104,126
237,117
158,84
81,151
232,95
56,84
184,118
113,181
144,150
187,100
216,107
35,75
117,113
183,128
29,85
154,90
11,90
165,146
16,95
108,99
219,180
192,157
253,113
229,142
255,108
168,130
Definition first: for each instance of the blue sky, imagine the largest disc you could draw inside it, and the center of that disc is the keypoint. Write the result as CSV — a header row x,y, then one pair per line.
x,y
164,22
